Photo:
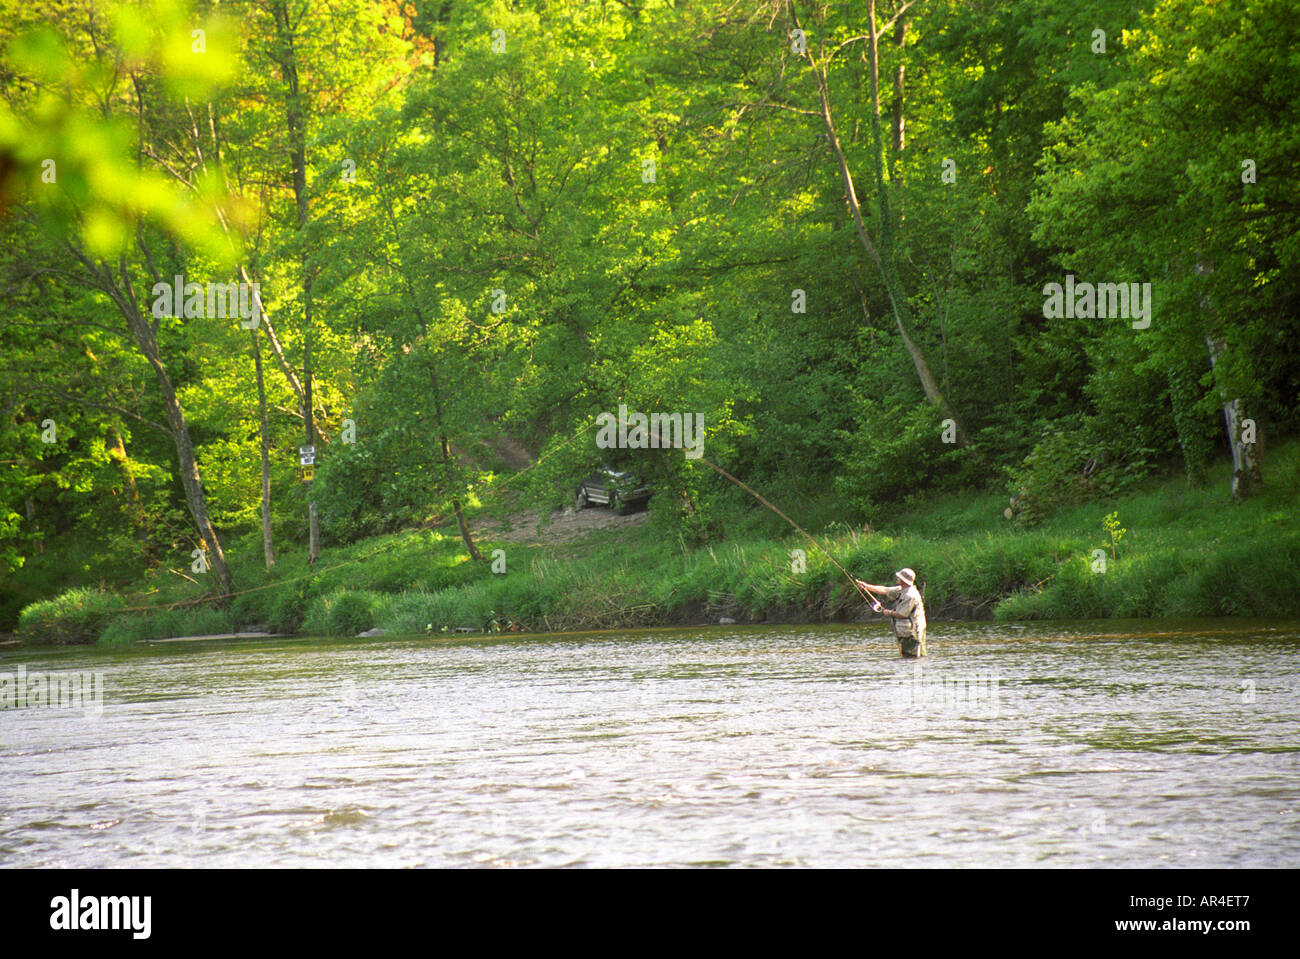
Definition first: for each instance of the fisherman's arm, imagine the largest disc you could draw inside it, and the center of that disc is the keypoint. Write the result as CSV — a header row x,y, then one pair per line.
x,y
870,589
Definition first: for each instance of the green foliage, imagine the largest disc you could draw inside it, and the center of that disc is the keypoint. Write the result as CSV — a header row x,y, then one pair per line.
x,y
894,453
1149,176
500,267
184,621
288,609
1185,555
62,114
1076,592
1073,465
341,614
1116,532
77,616
699,522
253,607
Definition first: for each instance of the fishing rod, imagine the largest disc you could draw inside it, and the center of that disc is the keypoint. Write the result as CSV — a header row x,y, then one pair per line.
x,y
499,486
775,509
803,532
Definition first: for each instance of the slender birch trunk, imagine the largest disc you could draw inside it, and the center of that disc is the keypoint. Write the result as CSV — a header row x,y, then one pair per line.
x,y
264,442
1246,475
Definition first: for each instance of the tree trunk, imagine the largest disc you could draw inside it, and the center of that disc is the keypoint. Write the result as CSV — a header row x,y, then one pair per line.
x,y
1246,476
900,119
191,480
121,291
436,387
277,351
881,256
461,524
465,538
1192,440
295,118
264,442
35,526
313,519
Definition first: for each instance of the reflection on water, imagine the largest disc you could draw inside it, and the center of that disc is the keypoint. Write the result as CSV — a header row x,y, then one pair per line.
x,y
1086,744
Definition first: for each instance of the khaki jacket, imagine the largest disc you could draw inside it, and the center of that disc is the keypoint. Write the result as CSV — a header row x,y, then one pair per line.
x,y
908,602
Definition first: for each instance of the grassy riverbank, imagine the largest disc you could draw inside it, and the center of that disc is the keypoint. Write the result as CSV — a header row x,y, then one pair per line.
x,y
1184,552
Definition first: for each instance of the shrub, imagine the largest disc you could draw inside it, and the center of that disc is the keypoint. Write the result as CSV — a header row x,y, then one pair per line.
x,y
446,577
343,612
698,529
1072,464
288,609
1246,580
351,613
1020,606
76,617
253,607
896,452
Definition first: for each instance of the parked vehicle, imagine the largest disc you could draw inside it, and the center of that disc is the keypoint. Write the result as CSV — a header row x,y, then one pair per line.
x,y
620,491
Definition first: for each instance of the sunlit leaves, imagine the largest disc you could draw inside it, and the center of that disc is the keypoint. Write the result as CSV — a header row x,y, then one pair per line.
x,y
73,129
193,54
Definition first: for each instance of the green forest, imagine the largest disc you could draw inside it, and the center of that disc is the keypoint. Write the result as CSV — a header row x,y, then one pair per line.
x,y
305,302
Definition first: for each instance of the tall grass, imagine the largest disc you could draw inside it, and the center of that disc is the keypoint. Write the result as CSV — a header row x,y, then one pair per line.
x,y
75,617
188,621
1187,552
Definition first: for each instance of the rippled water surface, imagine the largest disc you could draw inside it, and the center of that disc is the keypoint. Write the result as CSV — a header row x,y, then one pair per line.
x,y
1097,744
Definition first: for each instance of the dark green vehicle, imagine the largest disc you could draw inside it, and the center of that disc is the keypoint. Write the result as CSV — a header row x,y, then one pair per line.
x,y
620,491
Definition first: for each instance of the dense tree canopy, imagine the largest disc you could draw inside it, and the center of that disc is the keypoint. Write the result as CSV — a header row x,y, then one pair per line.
x,y
828,228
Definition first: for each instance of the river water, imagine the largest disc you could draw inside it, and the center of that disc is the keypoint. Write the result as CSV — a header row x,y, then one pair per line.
x,y
1129,744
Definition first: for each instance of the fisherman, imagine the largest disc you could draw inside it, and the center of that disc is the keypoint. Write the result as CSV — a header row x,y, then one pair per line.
x,y
904,608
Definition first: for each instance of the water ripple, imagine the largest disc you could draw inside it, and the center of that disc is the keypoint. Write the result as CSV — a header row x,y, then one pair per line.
x,y
1062,745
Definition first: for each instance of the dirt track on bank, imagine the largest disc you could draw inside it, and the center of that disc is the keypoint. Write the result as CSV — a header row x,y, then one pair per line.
x,y
535,527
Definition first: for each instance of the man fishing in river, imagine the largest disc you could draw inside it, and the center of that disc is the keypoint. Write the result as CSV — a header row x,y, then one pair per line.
x,y
904,609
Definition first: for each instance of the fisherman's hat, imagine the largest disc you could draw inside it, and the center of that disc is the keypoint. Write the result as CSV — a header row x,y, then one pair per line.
x,y
906,575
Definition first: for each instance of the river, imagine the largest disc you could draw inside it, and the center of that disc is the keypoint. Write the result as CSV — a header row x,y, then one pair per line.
x,y
1088,744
